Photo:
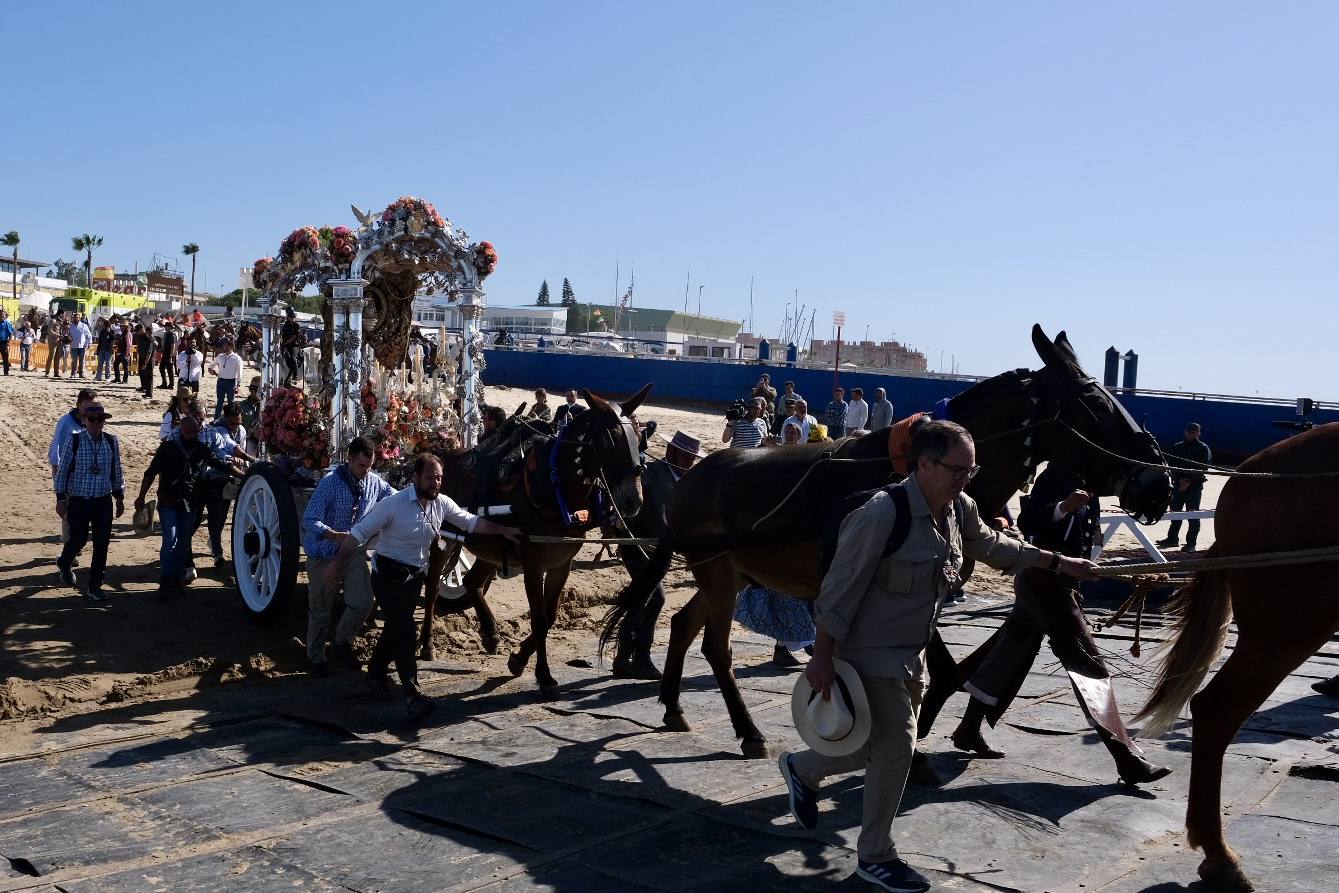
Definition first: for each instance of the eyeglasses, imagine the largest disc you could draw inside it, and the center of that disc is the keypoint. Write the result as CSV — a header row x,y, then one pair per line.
x,y
960,472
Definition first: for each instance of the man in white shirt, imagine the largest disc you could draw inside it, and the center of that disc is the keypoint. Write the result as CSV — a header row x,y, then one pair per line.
x,y
80,338
190,363
857,412
800,419
407,524
228,367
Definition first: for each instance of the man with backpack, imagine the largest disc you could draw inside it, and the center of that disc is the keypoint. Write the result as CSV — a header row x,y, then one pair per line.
x,y
897,556
179,465
88,479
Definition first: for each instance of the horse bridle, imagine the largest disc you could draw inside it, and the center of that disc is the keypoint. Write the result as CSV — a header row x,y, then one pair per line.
x,y
1034,393
591,473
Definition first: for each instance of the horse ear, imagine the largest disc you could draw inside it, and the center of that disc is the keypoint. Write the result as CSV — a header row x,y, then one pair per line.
x,y
630,405
1063,345
1046,349
595,401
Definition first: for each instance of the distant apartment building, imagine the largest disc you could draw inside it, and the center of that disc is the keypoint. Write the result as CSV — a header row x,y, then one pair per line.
x,y
875,355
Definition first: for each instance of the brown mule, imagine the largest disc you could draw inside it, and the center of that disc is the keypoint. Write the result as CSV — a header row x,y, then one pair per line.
x,y
1283,616
591,467
732,510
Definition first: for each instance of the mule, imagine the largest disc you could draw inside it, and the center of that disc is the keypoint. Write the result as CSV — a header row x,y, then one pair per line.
x,y
730,513
568,484
1283,615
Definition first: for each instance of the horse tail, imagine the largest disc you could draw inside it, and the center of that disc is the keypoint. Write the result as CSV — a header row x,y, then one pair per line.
x,y
636,594
1202,609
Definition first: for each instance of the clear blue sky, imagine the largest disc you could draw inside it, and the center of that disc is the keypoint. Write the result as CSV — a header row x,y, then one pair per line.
x,y
1152,176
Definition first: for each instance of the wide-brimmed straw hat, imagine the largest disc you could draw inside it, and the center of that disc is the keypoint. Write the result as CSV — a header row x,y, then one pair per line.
x,y
838,726
686,442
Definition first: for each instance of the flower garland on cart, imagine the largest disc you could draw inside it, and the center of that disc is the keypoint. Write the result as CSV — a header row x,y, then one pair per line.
x,y
403,424
295,432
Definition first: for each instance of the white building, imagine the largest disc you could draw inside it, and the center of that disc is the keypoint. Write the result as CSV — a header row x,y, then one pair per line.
x,y
672,333
526,322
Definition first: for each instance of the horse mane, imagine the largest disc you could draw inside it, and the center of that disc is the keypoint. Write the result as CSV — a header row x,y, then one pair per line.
x,y
989,391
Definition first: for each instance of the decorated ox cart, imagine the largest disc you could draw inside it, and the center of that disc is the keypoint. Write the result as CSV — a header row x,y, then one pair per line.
x,y
368,384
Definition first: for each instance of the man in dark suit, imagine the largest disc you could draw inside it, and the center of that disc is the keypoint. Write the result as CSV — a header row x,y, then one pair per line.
x,y
1061,516
568,411
632,659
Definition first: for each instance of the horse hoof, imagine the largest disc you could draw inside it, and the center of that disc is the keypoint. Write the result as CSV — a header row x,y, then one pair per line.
x,y
676,723
516,665
550,692
490,643
755,749
1226,877
427,652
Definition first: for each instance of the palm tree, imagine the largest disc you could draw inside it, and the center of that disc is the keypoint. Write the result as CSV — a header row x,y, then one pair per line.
x,y
11,240
87,243
190,249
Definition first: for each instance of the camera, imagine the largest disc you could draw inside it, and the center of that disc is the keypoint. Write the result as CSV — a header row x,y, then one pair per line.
x,y
737,411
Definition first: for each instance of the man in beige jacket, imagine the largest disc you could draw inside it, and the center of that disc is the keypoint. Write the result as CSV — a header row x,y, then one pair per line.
x,y
878,612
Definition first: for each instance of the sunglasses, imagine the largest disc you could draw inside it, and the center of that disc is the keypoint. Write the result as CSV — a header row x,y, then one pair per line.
x,y
961,473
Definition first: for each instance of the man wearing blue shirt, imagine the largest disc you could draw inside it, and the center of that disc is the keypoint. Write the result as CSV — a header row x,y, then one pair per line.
x,y
88,478
230,436
835,417
341,500
6,333
66,425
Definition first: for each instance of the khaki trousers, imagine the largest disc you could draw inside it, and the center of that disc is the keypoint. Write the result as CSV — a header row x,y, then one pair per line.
x,y
886,759
321,601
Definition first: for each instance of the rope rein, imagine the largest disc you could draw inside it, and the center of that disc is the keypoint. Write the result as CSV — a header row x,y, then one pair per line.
x,y
1204,467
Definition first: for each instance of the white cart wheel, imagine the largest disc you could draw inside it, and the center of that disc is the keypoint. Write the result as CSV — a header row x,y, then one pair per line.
x,y
265,541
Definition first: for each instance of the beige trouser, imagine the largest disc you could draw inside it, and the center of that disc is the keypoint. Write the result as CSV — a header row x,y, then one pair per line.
x,y
886,759
321,600
53,355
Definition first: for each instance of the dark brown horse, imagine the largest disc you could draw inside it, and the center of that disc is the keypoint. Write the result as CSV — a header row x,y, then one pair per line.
x,y
730,513
565,486
1283,615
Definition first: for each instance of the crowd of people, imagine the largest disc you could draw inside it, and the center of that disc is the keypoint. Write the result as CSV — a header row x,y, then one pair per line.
x,y
109,349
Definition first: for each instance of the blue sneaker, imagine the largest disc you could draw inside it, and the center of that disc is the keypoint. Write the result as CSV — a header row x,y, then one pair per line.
x,y
803,799
896,876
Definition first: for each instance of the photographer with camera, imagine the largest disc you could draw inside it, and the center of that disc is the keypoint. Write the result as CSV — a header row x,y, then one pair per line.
x,y
744,425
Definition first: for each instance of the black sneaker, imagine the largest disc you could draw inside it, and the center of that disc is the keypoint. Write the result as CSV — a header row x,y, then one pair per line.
x,y
896,875
97,596
379,687
320,670
66,575
803,799
419,706
1168,541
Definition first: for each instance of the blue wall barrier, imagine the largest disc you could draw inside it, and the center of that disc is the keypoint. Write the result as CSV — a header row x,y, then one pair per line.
x,y
1233,428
